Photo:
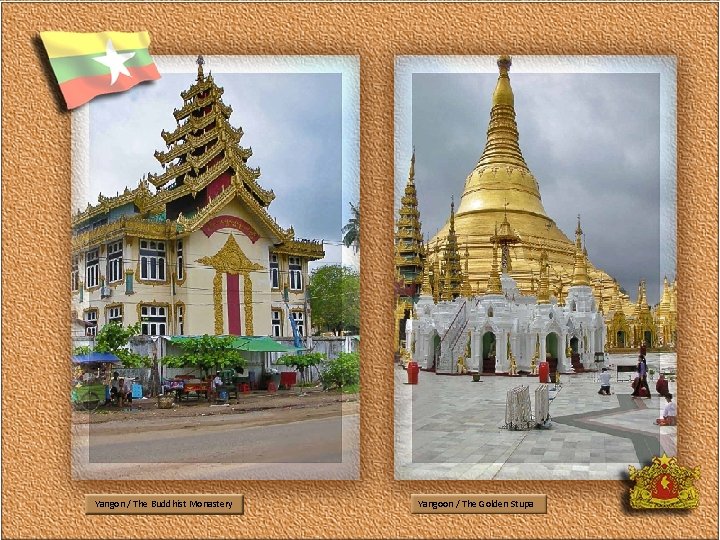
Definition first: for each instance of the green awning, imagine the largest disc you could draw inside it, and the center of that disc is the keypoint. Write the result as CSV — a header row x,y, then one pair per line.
x,y
261,344
246,343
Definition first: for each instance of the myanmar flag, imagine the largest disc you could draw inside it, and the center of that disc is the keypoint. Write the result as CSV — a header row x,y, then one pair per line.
x,y
87,65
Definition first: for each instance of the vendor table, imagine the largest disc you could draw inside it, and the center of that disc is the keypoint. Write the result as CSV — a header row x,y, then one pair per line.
x,y
196,388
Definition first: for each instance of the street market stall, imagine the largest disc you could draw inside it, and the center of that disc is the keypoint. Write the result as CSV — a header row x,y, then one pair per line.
x,y
91,379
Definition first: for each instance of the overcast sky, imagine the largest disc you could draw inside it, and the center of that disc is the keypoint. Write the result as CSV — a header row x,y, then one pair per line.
x,y
592,140
292,121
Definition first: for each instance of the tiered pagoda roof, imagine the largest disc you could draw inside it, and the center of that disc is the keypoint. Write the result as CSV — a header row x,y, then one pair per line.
x,y
409,249
205,168
452,275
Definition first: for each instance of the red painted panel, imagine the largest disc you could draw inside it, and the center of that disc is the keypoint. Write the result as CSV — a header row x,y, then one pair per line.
x,y
233,302
216,186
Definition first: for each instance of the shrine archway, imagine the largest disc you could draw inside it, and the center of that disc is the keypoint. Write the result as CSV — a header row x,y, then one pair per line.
x,y
620,339
488,352
436,350
574,342
647,336
551,344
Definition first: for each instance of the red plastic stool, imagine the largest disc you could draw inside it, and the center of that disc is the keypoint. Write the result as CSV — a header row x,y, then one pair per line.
x,y
244,388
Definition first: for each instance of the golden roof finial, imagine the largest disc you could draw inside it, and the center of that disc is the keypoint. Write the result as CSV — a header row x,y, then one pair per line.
x,y
580,275
502,147
411,176
544,284
578,235
503,94
200,61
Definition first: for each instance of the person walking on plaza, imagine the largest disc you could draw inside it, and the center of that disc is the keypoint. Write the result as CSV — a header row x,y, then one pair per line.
x,y
642,379
604,382
669,414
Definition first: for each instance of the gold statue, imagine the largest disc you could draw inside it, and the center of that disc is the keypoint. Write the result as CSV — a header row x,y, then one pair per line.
x,y
513,366
405,357
461,365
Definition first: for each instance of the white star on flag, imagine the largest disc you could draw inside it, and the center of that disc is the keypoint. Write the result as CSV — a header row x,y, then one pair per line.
x,y
115,61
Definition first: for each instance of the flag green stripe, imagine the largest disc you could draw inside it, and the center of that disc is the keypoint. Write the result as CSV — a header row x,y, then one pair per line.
x,y
72,67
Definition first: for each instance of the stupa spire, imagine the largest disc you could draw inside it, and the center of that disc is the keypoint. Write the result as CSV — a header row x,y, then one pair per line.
x,y
200,61
580,275
502,145
409,252
494,286
544,286
426,288
467,288
452,272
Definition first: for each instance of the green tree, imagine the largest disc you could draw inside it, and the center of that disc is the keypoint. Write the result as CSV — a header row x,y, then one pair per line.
x,y
209,353
113,338
351,231
334,292
342,371
302,362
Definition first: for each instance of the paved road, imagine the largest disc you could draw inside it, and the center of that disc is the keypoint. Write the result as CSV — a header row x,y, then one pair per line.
x,y
220,450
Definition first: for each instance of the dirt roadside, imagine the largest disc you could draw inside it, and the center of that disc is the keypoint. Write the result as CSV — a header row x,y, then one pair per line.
x,y
265,408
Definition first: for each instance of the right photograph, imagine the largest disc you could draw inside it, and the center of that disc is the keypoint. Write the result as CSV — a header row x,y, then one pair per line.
x,y
535,258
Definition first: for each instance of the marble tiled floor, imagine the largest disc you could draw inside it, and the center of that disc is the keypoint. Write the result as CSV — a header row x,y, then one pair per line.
x,y
448,427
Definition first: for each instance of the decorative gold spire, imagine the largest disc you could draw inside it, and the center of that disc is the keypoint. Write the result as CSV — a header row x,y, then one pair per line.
x,y
452,274
467,288
502,145
426,288
494,286
544,286
580,275
437,278
200,61
409,254
578,236
505,238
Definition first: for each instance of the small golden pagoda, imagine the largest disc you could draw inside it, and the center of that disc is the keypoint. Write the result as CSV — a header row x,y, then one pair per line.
x,y
666,316
452,276
408,238
502,189
409,255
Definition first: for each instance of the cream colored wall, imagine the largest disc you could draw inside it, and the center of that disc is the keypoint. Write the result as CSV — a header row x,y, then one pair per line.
x,y
196,290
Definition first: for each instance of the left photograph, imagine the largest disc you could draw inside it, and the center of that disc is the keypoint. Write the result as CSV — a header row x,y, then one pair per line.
x,y
215,273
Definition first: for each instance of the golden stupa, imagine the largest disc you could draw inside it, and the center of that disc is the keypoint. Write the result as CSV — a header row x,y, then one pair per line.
x,y
501,204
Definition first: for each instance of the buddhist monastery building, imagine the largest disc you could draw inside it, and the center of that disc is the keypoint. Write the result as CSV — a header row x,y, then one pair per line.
x,y
500,275
193,250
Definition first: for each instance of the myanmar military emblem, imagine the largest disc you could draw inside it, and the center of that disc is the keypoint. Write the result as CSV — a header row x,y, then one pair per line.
x,y
664,484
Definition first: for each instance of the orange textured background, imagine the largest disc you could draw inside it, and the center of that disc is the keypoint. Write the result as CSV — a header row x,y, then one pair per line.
x,y
38,497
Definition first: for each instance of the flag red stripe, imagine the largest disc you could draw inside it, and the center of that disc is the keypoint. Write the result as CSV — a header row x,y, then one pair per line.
x,y
82,89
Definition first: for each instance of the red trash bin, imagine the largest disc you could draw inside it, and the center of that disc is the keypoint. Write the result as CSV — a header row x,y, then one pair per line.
x,y
412,370
544,372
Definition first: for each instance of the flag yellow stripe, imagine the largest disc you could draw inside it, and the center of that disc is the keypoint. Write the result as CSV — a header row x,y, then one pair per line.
x,y
61,44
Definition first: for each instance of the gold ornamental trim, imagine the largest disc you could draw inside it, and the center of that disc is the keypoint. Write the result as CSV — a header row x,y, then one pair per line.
x,y
154,303
664,484
230,259
218,304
